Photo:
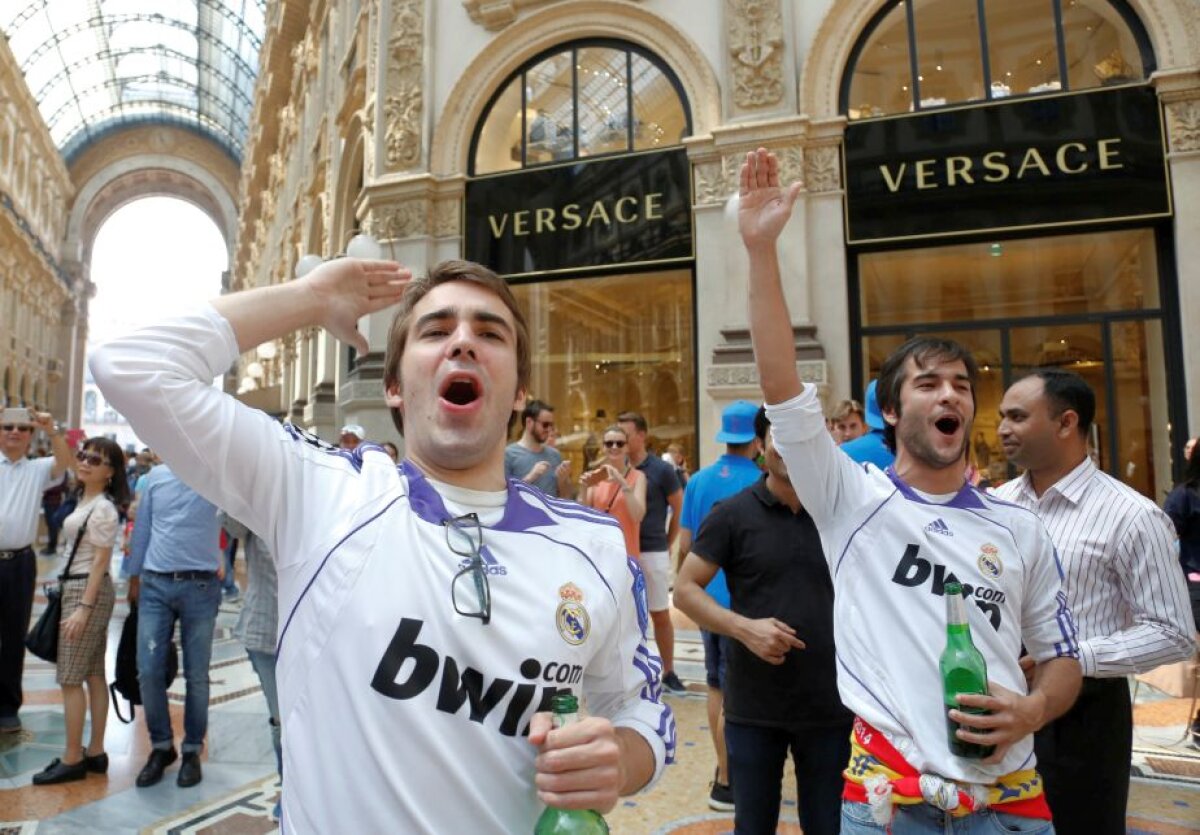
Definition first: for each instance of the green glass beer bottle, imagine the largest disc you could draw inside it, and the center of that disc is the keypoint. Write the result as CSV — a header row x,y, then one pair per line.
x,y
963,671
565,708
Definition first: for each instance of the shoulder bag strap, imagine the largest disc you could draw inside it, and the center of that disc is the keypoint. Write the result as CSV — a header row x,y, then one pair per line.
x,y
74,548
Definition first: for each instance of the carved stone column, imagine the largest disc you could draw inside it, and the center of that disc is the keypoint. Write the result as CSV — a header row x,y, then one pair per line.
x,y
399,103
756,60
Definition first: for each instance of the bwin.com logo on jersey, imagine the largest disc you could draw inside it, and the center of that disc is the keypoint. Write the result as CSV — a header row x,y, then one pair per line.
x,y
938,526
490,564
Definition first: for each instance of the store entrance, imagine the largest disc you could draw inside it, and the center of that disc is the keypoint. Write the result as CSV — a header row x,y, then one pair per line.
x,y
1087,303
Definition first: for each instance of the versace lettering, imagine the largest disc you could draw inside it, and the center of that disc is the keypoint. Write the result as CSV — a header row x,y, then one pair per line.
x,y
572,216
914,571
408,668
1069,159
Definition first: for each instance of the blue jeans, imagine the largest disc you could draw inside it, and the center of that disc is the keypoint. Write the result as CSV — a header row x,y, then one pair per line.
x,y
716,651
229,585
162,601
756,760
923,819
264,667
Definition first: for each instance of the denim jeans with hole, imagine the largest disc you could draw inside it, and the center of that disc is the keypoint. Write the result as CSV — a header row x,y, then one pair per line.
x,y
162,601
923,819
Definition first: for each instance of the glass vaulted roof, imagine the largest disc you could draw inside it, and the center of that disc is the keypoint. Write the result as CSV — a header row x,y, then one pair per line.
x,y
97,65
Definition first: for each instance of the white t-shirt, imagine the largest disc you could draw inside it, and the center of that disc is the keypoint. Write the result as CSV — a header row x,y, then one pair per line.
x,y
400,714
890,552
22,483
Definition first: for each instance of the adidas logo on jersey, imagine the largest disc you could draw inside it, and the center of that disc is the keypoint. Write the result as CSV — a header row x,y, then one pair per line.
x,y
458,686
938,526
490,564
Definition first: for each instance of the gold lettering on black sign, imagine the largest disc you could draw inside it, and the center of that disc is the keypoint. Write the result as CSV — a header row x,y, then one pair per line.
x,y
572,216
1069,158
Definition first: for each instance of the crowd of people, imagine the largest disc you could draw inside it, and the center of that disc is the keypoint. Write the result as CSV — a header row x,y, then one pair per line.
x,y
446,595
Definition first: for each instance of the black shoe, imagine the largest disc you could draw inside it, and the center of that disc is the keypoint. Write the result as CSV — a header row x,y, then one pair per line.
x,y
672,683
721,796
159,759
189,771
97,764
60,772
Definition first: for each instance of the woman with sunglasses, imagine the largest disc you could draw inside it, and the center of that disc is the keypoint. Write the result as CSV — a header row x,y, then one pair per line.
x,y
617,487
87,605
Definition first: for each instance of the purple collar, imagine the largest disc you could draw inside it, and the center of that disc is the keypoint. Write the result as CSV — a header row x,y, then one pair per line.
x,y
426,502
967,498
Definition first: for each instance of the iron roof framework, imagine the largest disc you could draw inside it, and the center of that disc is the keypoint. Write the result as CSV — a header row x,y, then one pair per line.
x,y
98,65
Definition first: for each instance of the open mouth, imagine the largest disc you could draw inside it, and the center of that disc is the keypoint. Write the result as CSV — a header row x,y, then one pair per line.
x,y
461,391
948,424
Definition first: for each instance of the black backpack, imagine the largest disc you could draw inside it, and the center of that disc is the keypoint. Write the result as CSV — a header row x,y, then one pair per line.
x,y
126,673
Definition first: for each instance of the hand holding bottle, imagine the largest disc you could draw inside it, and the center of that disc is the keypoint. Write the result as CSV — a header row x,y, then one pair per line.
x,y
1011,717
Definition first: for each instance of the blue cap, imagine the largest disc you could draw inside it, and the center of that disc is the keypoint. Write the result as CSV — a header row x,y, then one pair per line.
x,y
874,416
737,423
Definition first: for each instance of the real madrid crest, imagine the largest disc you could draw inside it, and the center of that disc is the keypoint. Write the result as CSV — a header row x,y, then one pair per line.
x,y
989,561
572,618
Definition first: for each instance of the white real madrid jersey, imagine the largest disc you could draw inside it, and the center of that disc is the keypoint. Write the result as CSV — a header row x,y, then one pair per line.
x,y
891,552
400,714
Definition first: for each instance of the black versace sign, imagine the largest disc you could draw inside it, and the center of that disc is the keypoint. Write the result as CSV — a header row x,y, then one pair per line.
x,y
586,215
1045,161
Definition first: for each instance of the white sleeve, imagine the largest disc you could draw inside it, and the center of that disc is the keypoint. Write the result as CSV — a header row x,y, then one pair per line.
x,y
1047,627
826,480
239,458
625,686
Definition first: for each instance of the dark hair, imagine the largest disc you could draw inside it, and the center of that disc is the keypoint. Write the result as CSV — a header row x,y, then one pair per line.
x,y
1191,472
534,408
418,288
118,487
635,418
1067,390
762,424
923,350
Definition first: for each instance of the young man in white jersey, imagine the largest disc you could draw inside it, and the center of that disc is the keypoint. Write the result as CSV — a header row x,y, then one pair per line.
x,y
893,539
427,612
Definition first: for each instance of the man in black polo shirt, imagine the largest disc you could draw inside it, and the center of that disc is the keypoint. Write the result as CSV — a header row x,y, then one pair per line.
x,y
781,682
663,491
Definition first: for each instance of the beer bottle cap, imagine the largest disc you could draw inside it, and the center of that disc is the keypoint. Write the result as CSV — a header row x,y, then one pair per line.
x,y
953,588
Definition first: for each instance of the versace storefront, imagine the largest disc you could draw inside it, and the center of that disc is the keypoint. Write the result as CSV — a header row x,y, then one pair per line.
x,y
1023,175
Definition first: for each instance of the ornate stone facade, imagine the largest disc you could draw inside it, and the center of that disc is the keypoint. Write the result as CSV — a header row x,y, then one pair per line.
x,y
403,95
756,48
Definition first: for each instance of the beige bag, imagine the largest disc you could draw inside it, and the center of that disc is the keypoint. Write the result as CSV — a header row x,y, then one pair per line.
x,y
1181,680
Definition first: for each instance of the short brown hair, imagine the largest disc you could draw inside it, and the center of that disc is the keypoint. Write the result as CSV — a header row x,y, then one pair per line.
x,y
924,350
635,418
846,408
443,273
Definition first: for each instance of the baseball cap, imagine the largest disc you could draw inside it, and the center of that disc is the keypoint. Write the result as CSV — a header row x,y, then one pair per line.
x,y
355,430
874,416
737,422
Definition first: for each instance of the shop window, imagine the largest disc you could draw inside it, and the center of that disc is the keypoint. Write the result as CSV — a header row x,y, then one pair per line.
x,y
921,54
581,100
606,345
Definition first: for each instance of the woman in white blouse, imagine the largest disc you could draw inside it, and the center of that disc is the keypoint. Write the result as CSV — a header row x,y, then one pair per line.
x,y
87,605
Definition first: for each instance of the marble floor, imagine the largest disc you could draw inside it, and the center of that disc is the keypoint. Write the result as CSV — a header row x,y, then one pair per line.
x,y
239,788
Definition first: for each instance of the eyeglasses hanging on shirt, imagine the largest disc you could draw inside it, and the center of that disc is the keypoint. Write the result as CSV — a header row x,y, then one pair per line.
x,y
473,598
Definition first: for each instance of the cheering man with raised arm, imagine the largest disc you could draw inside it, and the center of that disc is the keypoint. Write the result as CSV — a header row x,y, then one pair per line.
x,y
428,612
893,539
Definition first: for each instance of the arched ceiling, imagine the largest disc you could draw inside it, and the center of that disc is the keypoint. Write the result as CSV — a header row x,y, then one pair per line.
x,y
95,66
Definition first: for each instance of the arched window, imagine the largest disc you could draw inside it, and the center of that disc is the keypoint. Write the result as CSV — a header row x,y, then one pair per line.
x,y
581,100
920,54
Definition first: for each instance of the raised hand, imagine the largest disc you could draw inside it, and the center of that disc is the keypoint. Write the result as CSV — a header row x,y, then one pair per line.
x,y
763,207
350,288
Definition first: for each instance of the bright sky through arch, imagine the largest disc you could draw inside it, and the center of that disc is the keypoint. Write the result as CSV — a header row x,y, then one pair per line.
x,y
152,257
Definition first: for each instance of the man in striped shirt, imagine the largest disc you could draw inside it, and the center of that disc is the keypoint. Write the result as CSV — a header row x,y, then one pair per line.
x,y
1123,585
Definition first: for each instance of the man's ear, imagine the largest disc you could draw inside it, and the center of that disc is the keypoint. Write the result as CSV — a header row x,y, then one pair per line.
x,y
889,416
519,402
1068,423
392,396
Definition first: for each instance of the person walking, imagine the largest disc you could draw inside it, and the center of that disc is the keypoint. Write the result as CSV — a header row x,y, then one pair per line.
x,y
175,568
617,488
728,475
87,606
1122,582
22,482
659,528
781,685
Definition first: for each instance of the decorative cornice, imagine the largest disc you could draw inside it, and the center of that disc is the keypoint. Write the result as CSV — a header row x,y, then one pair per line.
x,y
745,375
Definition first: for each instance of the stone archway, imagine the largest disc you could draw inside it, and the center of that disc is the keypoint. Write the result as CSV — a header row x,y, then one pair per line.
x,y
544,30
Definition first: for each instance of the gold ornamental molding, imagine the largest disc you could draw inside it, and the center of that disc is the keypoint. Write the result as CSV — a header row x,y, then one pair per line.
x,y
1179,92
403,101
717,159
756,47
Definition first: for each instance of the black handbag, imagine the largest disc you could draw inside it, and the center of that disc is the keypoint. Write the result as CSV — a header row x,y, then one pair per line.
x,y
125,682
42,639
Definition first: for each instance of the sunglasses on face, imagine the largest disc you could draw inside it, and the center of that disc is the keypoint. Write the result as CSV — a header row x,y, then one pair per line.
x,y
93,459
12,427
614,444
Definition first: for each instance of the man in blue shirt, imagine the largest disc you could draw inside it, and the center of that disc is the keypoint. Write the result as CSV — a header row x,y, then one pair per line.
x,y
729,474
175,569
870,448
